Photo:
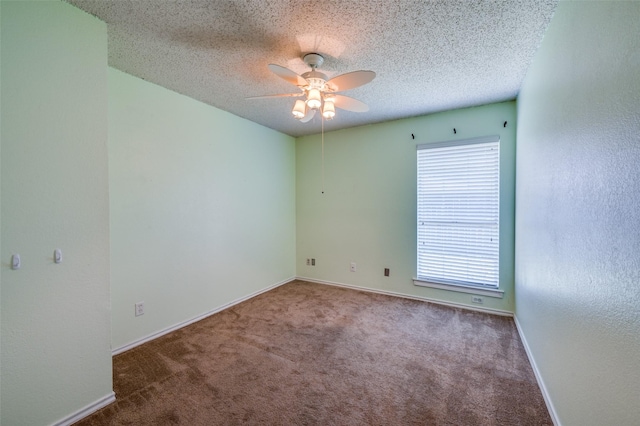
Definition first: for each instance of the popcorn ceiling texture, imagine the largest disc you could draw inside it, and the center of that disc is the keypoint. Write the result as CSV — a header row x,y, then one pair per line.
x,y
428,56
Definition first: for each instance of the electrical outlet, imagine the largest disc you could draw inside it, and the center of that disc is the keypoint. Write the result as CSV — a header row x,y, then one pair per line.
x,y
308,261
139,309
353,266
313,262
477,299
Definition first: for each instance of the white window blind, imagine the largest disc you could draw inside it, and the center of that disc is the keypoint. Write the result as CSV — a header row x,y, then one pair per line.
x,y
459,211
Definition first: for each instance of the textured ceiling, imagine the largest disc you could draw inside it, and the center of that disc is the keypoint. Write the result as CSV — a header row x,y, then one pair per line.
x,y
429,56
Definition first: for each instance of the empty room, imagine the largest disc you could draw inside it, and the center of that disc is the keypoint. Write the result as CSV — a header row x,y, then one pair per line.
x,y
278,212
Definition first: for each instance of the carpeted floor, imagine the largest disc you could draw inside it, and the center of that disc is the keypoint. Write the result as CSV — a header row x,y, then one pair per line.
x,y
311,354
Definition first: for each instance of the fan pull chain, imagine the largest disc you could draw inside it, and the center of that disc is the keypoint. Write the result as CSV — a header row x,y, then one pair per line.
x,y
322,137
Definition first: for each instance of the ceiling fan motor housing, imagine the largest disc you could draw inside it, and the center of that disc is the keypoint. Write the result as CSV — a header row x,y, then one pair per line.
x,y
316,80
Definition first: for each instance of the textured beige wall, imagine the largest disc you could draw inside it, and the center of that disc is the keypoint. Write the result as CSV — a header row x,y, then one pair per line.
x,y
578,212
202,207
367,214
56,356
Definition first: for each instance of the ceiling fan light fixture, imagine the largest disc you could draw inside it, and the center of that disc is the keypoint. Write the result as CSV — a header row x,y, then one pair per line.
x,y
328,110
314,99
299,109
319,91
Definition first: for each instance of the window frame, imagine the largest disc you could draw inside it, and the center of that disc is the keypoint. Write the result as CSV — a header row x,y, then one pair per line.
x,y
461,285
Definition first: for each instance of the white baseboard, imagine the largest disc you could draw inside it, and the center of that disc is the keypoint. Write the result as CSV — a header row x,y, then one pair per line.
x,y
89,409
185,323
534,366
408,296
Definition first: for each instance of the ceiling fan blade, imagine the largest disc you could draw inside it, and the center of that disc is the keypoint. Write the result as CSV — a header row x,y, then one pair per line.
x,y
350,80
350,104
288,75
308,117
281,95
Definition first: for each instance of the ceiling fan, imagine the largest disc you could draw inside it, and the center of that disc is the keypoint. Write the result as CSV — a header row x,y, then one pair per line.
x,y
319,92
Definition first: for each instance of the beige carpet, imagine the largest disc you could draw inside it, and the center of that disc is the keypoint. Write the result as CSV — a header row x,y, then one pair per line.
x,y
310,354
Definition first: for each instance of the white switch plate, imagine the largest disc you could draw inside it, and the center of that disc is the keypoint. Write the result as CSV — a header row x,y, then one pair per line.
x,y
15,261
353,266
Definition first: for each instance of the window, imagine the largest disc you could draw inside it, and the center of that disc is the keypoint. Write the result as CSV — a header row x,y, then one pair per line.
x,y
459,212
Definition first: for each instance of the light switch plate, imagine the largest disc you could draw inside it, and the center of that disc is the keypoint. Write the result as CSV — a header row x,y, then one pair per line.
x,y
16,263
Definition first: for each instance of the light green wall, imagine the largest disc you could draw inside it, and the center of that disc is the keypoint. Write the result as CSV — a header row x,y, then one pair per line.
x,y
0,213
578,212
56,356
202,207
367,214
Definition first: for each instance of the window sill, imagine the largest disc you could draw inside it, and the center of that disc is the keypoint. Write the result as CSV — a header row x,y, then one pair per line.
x,y
489,292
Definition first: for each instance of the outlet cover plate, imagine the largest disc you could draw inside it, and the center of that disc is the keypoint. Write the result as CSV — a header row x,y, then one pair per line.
x,y
139,309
